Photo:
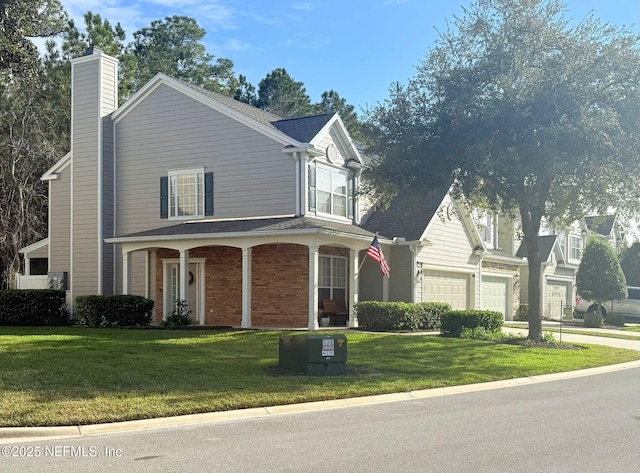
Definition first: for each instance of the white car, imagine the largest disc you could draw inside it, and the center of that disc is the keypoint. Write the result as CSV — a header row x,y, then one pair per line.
x,y
629,307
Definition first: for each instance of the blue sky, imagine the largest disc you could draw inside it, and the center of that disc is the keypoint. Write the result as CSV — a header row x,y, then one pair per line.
x,y
356,47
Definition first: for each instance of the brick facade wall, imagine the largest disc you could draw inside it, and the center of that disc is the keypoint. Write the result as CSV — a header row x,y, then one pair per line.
x,y
279,277
280,282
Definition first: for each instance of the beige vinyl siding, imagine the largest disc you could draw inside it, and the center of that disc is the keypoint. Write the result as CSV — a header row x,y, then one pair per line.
x,y
39,253
171,131
60,221
336,152
506,236
370,279
451,249
400,288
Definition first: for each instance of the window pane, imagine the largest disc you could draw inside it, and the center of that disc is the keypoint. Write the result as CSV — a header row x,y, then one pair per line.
x,y
340,205
323,179
324,271
324,202
339,294
339,273
339,183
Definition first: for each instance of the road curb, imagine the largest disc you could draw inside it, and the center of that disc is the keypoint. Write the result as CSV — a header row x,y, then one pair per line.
x,y
24,434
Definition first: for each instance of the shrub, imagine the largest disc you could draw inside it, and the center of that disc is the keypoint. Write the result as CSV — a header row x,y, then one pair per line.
x,y
453,322
615,319
481,333
386,316
522,312
112,311
33,307
592,320
180,316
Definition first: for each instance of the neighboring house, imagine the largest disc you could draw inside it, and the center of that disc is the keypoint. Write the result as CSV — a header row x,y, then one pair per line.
x,y
608,228
185,194
438,254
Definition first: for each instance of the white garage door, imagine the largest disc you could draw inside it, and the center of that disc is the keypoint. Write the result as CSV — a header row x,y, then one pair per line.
x,y
446,286
556,296
494,294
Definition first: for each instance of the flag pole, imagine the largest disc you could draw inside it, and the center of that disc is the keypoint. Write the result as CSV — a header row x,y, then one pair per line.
x,y
365,256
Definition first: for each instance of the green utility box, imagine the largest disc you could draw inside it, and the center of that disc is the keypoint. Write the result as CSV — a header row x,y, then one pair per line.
x,y
314,355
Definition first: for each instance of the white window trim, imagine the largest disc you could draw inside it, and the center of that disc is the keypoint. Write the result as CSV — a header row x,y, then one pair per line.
x,y
570,239
333,170
199,193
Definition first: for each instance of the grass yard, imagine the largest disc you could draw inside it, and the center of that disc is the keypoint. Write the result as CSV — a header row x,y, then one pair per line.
x,y
69,376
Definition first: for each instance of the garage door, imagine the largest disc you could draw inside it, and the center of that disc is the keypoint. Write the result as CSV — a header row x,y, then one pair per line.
x,y
446,286
556,296
494,294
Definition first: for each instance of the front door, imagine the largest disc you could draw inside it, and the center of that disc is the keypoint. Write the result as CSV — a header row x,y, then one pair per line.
x,y
194,292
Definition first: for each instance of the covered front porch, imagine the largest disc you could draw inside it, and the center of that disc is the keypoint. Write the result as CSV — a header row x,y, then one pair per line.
x,y
274,273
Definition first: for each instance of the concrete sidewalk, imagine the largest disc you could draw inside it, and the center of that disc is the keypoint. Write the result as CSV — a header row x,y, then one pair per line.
x,y
24,434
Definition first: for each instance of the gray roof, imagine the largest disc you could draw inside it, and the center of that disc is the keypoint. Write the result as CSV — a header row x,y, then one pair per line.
x,y
303,129
406,217
282,224
600,224
545,246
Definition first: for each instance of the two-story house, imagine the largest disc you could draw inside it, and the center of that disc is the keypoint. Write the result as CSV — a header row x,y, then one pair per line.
x,y
185,194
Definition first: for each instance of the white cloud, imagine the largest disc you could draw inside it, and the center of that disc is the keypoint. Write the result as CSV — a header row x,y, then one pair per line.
x,y
303,6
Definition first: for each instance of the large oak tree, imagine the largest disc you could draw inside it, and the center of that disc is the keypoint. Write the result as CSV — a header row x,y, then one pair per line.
x,y
523,111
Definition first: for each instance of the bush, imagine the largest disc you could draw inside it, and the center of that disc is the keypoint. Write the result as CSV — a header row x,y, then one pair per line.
x,y
112,311
180,316
481,333
522,313
615,319
592,320
387,316
454,322
33,307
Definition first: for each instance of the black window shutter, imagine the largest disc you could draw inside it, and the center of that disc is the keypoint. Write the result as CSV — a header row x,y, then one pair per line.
x,y
208,194
164,197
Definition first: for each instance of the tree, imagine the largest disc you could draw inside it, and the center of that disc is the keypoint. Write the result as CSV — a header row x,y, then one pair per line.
x,y
245,91
333,103
630,262
173,46
280,94
21,20
523,113
600,277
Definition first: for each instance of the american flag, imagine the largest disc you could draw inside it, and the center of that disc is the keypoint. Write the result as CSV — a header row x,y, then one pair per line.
x,y
375,253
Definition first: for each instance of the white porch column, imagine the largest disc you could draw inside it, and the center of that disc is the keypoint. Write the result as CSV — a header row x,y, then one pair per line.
x,y
184,275
313,287
27,266
354,282
246,288
126,273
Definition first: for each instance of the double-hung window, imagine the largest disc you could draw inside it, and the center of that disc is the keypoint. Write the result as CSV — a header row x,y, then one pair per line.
x,y
186,194
332,277
331,191
575,247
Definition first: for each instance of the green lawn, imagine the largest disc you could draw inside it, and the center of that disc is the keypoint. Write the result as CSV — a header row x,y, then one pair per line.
x,y
68,376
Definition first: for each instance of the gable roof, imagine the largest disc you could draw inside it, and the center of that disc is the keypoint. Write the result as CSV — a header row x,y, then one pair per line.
x,y
405,217
303,129
602,225
546,243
